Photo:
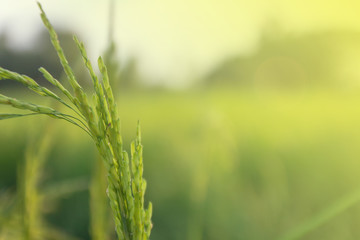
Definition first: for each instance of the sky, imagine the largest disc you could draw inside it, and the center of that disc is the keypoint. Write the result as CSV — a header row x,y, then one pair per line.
x,y
176,41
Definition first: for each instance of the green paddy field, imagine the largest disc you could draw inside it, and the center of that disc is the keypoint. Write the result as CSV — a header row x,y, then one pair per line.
x,y
220,164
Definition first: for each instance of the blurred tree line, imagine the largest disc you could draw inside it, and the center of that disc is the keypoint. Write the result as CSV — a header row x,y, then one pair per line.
x,y
319,59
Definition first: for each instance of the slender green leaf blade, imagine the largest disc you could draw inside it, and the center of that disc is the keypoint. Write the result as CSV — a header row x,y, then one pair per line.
x,y
10,115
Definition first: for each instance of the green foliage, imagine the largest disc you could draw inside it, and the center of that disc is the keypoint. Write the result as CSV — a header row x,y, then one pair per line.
x,y
100,119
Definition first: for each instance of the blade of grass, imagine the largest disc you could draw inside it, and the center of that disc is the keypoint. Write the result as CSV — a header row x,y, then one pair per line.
x,y
9,115
323,217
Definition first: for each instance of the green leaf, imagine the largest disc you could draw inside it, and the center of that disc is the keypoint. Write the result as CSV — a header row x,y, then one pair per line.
x,y
7,116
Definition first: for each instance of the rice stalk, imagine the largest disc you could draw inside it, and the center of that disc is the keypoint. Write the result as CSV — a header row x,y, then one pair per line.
x,y
31,176
99,217
100,119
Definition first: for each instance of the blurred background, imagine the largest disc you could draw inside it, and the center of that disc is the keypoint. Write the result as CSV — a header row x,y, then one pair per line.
x,y
249,111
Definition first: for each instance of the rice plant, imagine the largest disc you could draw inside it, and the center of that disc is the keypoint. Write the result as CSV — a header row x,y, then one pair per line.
x,y
99,217
99,118
22,213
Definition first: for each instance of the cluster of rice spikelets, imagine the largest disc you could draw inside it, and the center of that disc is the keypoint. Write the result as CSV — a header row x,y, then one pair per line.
x,y
100,119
